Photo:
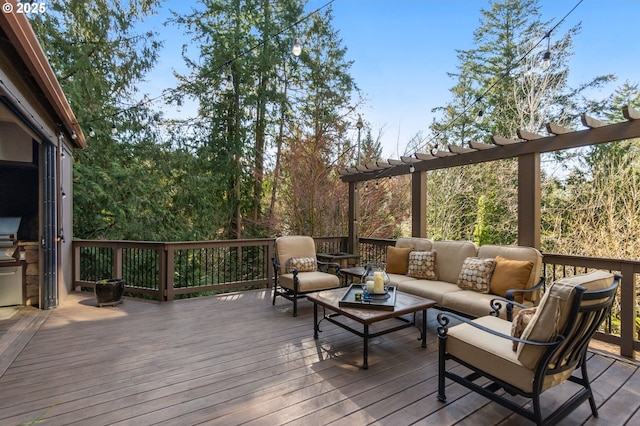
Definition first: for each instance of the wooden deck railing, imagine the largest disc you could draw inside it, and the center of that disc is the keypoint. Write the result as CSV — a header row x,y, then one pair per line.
x,y
166,271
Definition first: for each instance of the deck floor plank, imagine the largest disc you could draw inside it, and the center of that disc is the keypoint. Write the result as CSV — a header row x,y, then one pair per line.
x,y
235,359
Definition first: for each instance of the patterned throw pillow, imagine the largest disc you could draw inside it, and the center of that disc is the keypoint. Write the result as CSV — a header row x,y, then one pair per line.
x,y
520,323
304,264
476,274
422,264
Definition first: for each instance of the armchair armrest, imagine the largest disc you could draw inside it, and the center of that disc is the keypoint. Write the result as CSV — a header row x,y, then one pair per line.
x,y
443,319
510,296
510,293
278,267
497,302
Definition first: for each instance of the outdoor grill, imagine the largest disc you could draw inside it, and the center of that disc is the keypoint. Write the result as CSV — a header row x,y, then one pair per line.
x,y
8,238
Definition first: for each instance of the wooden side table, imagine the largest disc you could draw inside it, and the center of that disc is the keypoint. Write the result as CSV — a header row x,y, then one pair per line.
x,y
350,273
343,259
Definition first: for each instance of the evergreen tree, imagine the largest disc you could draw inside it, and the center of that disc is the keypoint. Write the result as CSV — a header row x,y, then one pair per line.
x,y
503,77
99,57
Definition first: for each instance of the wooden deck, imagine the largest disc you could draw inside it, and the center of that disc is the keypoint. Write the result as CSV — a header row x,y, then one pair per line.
x,y
235,359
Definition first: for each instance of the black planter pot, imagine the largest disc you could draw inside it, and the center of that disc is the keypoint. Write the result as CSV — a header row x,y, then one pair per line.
x,y
109,292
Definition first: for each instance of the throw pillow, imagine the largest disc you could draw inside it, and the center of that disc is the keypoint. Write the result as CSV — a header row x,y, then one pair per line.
x,y
304,264
509,275
398,260
520,323
422,264
476,274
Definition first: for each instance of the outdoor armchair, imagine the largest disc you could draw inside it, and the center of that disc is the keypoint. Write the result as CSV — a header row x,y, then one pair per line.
x,y
547,351
296,270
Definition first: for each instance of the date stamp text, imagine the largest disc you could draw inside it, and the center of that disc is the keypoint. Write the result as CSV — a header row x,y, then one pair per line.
x,y
26,8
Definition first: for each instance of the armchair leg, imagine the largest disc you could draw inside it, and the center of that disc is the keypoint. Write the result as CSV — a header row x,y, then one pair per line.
x,y
587,384
295,305
442,340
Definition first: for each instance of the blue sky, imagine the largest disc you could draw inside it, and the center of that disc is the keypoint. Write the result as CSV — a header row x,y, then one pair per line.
x,y
403,49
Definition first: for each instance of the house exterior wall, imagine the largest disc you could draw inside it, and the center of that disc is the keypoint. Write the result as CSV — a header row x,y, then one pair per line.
x,y
33,106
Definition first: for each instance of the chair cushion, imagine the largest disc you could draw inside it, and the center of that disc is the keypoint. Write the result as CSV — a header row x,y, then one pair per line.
x,y
451,255
398,259
475,274
493,354
552,313
294,246
304,264
422,264
510,274
310,281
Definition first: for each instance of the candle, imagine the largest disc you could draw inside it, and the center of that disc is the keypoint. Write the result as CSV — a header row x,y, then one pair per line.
x,y
370,286
378,282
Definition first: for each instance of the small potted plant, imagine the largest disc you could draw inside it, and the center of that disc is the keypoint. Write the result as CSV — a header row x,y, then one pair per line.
x,y
109,292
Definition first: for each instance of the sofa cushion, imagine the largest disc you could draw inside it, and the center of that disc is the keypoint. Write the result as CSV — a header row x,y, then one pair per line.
x,y
473,304
510,274
396,279
303,264
475,274
398,259
552,314
422,244
434,290
517,253
422,264
451,255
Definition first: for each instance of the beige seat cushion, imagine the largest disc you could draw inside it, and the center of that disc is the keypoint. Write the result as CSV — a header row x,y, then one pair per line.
x,y
451,255
552,313
310,281
493,354
434,290
473,303
397,279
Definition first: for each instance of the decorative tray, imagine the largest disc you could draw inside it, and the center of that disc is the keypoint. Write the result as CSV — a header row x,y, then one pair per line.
x,y
385,301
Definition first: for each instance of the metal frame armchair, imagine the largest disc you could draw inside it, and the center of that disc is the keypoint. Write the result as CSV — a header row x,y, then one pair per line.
x,y
552,346
296,270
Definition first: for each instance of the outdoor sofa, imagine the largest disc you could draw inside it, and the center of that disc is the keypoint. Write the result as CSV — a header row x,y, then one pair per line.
x,y
462,277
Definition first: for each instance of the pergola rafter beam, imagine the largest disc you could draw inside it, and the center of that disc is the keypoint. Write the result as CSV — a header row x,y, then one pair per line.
x,y
484,152
630,113
498,140
460,149
591,122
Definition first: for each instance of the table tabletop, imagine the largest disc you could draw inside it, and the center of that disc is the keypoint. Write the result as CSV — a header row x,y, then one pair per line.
x,y
405,304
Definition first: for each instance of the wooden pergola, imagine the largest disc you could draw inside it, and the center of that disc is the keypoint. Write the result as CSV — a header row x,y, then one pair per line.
x,y
526,149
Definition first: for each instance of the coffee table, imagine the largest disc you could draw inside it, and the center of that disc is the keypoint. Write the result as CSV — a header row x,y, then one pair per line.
x,y
405,304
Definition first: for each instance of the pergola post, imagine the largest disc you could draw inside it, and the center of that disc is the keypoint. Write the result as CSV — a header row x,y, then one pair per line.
x,y
529,205
354,215
419,204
